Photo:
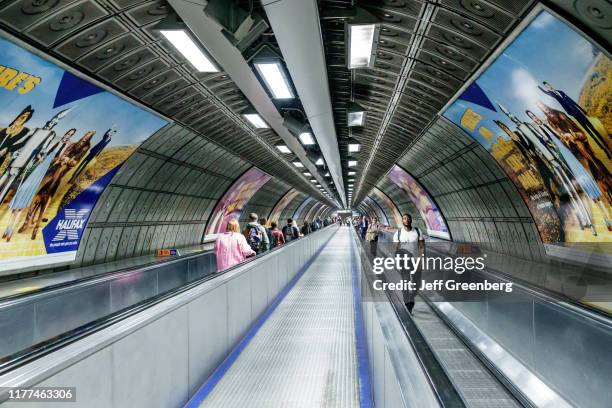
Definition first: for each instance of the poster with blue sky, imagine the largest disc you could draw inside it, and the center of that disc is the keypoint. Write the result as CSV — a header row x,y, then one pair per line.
x,y
542,109
62,139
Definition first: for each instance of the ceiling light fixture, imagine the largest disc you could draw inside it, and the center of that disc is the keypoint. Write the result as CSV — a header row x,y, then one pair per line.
x,y
361,42
320,162
176,32
298,164
273,74
306,138
351,173
307,174
352,163
255,120
355,115
283,149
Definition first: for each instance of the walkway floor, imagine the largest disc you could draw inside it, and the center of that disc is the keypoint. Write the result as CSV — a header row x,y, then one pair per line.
x,y
304,355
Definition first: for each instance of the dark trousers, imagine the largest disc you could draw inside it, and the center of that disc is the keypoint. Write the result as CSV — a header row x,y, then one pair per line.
x,y
410,295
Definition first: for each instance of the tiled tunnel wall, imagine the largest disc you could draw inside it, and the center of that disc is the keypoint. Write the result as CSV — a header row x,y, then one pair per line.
x,y
478,201
163,197
291,207
264,200
402,202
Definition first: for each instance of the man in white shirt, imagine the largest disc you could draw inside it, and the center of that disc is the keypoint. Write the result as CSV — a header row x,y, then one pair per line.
x,y
410,241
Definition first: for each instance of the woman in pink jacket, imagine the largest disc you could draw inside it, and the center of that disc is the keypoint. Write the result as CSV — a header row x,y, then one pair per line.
x,y
231,247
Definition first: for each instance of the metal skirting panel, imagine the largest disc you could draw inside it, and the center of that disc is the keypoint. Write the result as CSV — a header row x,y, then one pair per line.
x,y
304,355
477,386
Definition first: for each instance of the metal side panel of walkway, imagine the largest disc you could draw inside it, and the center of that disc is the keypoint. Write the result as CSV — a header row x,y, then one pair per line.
x,y
305,353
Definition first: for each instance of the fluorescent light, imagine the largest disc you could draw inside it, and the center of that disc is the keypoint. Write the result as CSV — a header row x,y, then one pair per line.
x,y
307,174
306,138
275,79
190,50
351,180
283,149
320,162
355,119
327,174
350,185
313,180
298,164
352,163
354,147
360,45
351,173
256,120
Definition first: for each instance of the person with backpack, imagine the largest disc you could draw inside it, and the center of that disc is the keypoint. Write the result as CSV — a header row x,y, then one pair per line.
x,y
231,247
278,238
306,228
264,223
290,231
409,241
256,235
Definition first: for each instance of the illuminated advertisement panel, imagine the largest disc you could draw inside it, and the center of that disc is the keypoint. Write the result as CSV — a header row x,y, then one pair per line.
x,y
542,109
436,226
281,205
397,217
378,211
62,139
230,206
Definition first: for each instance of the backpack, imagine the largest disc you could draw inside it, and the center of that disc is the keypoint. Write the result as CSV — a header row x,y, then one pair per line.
x,y
254,238
289,232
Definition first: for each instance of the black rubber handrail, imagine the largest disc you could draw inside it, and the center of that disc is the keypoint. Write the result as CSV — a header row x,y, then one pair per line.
x,y
444,389
43,348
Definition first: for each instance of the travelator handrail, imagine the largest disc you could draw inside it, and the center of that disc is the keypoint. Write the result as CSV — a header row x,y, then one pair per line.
x,y
54,343
481,328
542,292
162,261
443,388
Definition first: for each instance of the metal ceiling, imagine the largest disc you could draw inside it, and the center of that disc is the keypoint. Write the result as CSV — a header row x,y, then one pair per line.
x,y
113,42
426,52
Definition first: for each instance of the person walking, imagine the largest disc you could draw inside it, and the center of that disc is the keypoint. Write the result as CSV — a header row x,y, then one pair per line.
x,y
278,238
290,231
372,235
256,235
231,247
409,241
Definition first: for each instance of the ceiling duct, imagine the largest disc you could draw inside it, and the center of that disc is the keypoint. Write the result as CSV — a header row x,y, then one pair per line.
x,y
297,30
240,26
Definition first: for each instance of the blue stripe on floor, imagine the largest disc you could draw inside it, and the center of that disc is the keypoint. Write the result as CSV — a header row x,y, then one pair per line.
x,y
218,374
365,387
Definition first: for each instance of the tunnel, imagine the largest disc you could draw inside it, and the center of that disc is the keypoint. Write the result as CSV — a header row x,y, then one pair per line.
x,y
306,203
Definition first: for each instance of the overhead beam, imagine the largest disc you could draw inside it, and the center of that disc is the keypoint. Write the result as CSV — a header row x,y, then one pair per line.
x,y
230,59
297,30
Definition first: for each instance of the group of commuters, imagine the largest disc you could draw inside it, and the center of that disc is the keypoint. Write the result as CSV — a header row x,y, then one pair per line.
x,y
233,247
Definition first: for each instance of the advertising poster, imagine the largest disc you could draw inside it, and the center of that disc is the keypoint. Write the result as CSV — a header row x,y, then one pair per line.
x,y
397,217
310,216
436,226
233,201
542,109
281,205
378,211
61,141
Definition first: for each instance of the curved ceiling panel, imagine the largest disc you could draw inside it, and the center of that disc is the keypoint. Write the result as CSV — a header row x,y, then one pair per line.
x,y
115,43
